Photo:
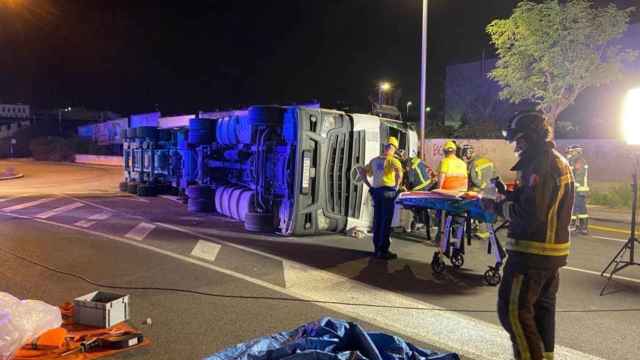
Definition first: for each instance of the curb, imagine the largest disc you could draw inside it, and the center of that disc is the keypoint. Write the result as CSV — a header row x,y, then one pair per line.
x,y
13,177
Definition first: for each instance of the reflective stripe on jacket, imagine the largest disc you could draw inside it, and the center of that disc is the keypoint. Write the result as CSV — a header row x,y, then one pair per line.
x,y
455,171
419,176
539,210
481,171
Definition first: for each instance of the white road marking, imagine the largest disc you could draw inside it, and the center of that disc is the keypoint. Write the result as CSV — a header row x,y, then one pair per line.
x,y
140,231
100,216
60,210
598,273
27,205
84,223
608,238
206,250
457,332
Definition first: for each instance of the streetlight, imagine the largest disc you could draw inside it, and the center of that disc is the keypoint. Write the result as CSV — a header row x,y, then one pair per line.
x,y
631,128
428,109
409,103
423,78
383,88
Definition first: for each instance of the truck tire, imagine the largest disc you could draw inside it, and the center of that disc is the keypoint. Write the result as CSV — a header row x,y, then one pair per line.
x,y
147,132
198,205
226,195
200,132
199,192
234,202
258,222
123,186
245,204
265,115
217,199
147,190
132,187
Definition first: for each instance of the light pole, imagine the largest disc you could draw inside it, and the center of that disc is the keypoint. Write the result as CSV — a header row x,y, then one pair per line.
x,y
409,103
383,88
423,79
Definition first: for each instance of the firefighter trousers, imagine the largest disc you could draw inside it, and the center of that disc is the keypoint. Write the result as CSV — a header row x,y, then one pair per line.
x,y
527,311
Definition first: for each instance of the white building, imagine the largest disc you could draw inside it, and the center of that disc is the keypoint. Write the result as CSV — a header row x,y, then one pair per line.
x,y
15,111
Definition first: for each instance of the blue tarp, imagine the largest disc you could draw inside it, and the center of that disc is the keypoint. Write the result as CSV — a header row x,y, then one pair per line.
x,y
329,339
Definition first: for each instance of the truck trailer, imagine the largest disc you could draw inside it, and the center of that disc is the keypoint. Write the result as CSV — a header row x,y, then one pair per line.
x,y
284,169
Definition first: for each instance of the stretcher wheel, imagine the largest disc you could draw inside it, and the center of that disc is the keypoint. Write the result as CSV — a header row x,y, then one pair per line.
x,y
437,264
457,259
492,277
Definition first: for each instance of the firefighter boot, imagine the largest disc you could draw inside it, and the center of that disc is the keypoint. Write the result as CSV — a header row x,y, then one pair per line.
x,y
583,226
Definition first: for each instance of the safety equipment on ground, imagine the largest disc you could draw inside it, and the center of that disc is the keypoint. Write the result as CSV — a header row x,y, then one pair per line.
x,y
393,141
530,123
450,146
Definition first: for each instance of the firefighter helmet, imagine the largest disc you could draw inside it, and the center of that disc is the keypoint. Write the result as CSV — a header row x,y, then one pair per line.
x,y
529,124
393,141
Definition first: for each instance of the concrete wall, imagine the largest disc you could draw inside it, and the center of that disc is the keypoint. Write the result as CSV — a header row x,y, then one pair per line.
x,y
609,160
99,160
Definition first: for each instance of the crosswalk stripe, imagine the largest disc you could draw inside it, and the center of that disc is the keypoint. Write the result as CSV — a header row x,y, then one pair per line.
x,y
84,223
100,216
60,210
140,231
206,250
27,205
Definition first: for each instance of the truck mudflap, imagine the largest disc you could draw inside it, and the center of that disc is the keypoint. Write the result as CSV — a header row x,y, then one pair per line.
x,y
320,198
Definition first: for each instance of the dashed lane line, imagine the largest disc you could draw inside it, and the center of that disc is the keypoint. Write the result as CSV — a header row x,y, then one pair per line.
x,y
608,238
27,204
84,223
60,210
610,229
100,216
140,231
206,250
460,333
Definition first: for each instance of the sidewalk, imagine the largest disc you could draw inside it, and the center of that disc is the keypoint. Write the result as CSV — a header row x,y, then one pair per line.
x,y
613,215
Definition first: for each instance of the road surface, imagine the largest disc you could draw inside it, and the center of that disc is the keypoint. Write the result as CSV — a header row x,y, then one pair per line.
x,y
277,283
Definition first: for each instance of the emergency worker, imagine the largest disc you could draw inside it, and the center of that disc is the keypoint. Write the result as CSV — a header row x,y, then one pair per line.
x,y
418,176
452,172
539,213
386,171
580,215
481,169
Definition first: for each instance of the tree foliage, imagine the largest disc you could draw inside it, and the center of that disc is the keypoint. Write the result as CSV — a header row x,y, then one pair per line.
x,y
550,52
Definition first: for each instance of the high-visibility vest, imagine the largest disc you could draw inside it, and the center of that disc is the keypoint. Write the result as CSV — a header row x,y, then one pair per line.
x,y
419,176
481,171
456,174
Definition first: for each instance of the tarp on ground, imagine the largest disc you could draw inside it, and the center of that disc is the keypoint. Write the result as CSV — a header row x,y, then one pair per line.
x,y
329,339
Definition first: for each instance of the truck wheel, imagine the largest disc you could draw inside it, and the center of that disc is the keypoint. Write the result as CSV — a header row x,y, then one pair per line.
x,y
218,199
200,132
132,188
147,132
123,186
199,192
234,203
258,222
244,204
225,203
147,190
263,115
198,205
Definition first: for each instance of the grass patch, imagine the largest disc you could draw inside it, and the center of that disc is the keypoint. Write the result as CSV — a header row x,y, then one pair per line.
x,y
611,194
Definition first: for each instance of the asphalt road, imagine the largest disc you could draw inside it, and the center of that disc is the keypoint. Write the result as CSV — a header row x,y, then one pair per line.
x,y
122,240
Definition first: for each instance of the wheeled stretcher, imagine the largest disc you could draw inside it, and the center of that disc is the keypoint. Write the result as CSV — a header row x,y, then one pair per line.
x,y
456,215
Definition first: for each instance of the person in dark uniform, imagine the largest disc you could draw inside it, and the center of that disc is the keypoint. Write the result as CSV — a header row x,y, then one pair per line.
x,y
418,176
386,171
539,213
580,168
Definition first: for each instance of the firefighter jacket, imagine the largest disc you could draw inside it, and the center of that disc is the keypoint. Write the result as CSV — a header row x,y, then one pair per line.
x,y
539,210
419,176
580,173
481,171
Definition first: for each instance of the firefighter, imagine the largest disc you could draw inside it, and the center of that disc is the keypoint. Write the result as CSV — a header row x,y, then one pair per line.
x,y
539,213
418,176
386,171
580,215
481,170
452,172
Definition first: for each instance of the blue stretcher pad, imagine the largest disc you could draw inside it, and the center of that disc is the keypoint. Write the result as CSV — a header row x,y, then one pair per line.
x,y
329,339
451,205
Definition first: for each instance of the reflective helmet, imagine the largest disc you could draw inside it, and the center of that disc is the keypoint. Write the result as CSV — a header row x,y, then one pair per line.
x,y
393,141
529,124
450,146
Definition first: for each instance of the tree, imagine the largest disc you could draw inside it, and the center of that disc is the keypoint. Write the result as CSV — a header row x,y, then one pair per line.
x,y
550,52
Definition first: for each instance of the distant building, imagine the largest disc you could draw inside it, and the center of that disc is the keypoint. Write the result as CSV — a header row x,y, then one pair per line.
x,y
15,111
470,96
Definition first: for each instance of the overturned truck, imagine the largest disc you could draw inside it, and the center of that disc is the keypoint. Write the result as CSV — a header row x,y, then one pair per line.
x,y
289,170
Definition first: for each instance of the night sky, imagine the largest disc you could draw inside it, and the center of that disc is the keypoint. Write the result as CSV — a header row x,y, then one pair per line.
x,y
184,56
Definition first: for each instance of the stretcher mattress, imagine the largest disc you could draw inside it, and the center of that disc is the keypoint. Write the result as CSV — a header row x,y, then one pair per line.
x,y
448,202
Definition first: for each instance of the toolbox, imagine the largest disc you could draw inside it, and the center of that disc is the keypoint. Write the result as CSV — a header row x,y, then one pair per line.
x,y
101,309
